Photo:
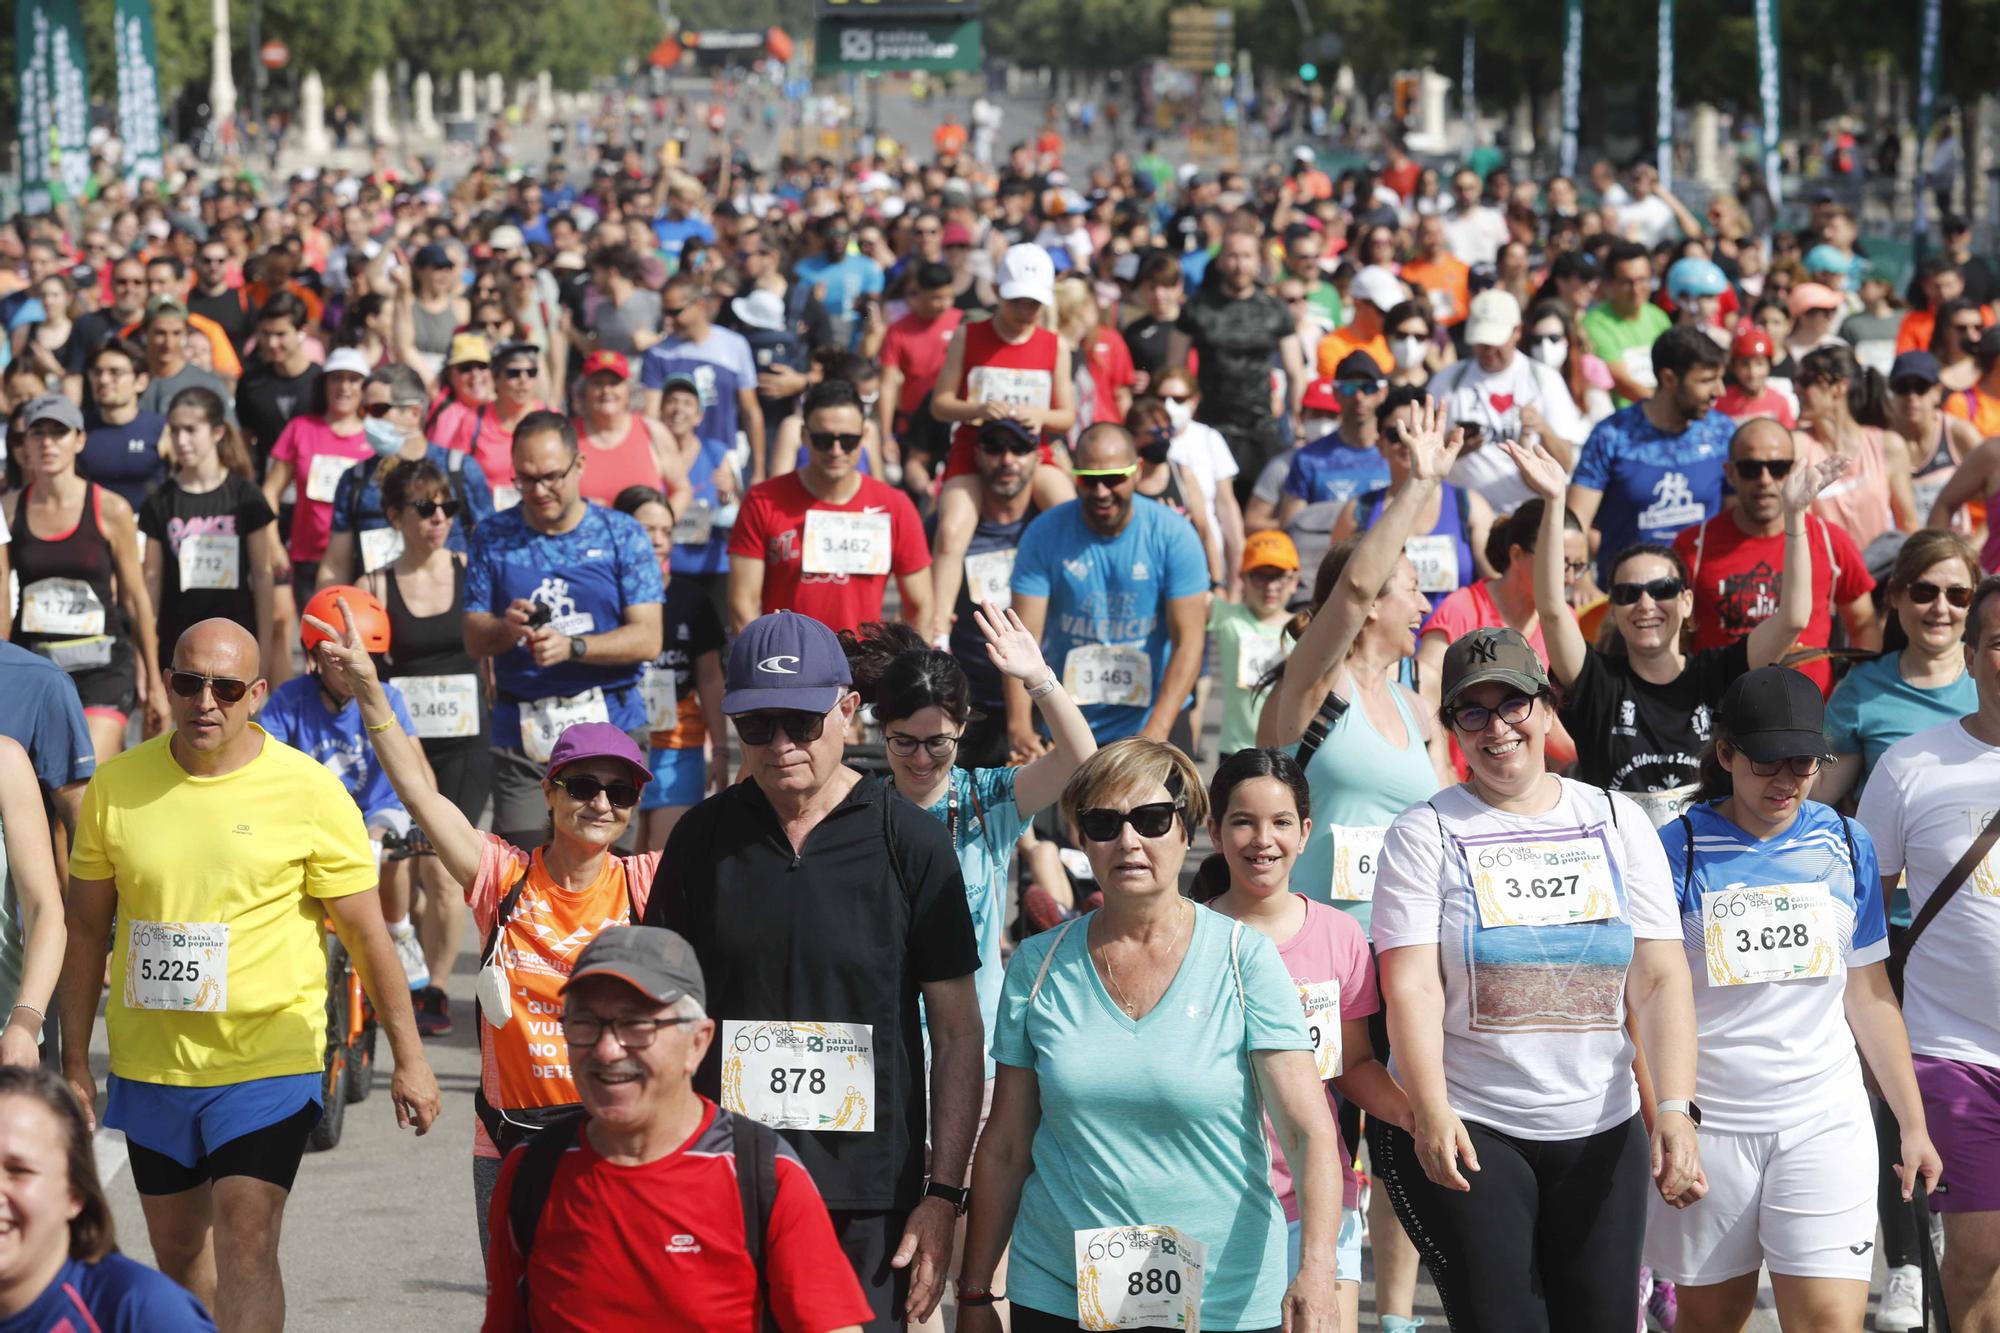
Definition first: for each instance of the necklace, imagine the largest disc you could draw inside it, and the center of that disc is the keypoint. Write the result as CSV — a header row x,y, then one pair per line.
x,y
1111,975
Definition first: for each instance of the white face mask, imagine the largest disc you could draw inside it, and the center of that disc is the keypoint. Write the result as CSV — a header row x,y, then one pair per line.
x,y
1409,352
1314,428
1180,414
1551,352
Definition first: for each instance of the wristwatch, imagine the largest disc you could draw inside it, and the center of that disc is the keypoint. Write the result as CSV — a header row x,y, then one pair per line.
x,y
576,647
1681,1104
958,1196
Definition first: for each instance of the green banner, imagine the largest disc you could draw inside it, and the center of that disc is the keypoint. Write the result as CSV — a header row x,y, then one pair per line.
x,y
1767,94
1663,99
55,102
1572,86
138,89
1927,82
876,46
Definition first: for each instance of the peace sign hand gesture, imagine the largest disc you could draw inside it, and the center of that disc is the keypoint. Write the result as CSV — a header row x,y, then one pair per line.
x,y
342,659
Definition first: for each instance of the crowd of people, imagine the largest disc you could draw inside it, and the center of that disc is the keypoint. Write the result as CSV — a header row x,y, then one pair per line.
x,y
791,604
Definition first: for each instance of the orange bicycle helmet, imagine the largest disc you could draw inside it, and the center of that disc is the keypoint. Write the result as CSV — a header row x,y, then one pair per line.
x,y
371,618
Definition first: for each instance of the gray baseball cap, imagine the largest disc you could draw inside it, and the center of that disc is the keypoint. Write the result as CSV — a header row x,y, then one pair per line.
x,y
657,963
51,407
1491,654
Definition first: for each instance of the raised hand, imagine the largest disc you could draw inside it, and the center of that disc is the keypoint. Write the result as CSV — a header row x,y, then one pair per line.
x,y
1009,644
341,656
1431,454
1539,468
1804,482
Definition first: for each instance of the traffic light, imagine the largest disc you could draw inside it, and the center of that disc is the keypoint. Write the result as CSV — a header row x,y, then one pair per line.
x,y
1308,72
1222,69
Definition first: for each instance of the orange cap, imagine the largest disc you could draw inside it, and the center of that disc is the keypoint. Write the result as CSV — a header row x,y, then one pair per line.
x,y
1270,549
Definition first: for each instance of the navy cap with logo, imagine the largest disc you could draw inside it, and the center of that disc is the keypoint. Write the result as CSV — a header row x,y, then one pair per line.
x,y
1491,654
1007,430
1774,713
785,660
1916,364
657,963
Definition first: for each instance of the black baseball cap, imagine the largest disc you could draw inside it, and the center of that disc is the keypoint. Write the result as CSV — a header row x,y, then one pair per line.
x,y
657,963
1491,654
1774,713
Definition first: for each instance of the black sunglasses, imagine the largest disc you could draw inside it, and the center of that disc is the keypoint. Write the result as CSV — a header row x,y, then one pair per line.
x,y
1472,718
584,789
519,373
1749,469
1907,387
1148,821
426,508
1923,593
1015,445
836,442
1660,590
672,311
188,685
762,728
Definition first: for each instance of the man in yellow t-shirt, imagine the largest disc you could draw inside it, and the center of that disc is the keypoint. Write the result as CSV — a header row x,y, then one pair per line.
x,y
221,851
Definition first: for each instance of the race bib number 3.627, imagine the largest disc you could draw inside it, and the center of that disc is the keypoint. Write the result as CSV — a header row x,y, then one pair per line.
x,y
1546,882
181,966
800,1075
1139,1277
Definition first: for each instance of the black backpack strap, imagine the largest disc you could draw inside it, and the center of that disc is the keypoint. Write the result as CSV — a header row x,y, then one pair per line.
x,y
1687,869
1366,506
1464,512
532,1181
508,902
756,1148
1324,721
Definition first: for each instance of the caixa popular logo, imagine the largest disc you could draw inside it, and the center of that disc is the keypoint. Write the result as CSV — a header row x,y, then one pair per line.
x,y
857,44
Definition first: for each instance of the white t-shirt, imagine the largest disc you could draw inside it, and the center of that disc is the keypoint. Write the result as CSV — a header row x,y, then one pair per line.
x,y
1494,403
1474,235
1648,221
1202,451
1534,1025
1927,797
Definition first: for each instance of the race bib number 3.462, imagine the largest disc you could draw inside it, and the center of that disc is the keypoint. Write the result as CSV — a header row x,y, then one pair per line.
x,y
182,966
1139,1277
798,1075
1104,674
1769,932
842,543
1547,882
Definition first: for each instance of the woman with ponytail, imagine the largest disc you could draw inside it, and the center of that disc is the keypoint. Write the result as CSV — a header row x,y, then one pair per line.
x,y
1845,415
1258,820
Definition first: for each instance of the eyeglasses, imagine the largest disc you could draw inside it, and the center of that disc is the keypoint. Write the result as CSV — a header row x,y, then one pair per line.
x,y
1295,300
1923,593
1801,765
834,442
938,746
584,789
762,728
674,311
1148,821
1015,445
634,1034
227,689
1473,718
519,373
1749,469
1108,478
1911,387
449,508
1576,569
529,481
215,259
1660,590
473,368
1972,330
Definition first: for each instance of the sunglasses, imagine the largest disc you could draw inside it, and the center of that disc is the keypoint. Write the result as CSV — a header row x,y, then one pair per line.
x,y
1576,569
1801,765
379,410
1175,397
1749,469
834,442
1020,448
1660,590
1968,330
1472,718
762,728
584,790
673,311
519,373
1109,478
905,745
1909,388
1923,593
429,508
1355,388
227,689
1148,821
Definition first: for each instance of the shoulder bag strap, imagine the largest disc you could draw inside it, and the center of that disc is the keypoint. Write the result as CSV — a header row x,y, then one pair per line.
x,y
532,1182
1324,721
1954,879
1687,868
756,1148
1050,957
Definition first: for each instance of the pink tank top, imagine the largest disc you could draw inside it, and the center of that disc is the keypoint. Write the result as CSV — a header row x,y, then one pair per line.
x,y
609,471
1859,501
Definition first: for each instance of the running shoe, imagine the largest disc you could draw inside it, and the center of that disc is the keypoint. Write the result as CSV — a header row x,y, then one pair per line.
x,y
1902,1307
410,953
1664,1305
1400,1323
433,1012
1645,1294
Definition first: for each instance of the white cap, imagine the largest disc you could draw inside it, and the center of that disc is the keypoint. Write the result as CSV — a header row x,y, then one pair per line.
x,y
1494,316
349,359
506,237
761,309
1027,271
1377,286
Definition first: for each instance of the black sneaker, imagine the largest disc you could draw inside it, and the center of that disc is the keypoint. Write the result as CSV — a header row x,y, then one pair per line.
x,y
433,1012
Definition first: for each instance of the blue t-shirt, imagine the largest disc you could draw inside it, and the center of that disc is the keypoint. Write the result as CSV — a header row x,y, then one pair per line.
x,y
989,824
357,496
113,1295
1329,469
1152,1121
673,234
1654,484
711,556
125,459
586,577
296,713
40,709
1110,590
718,380
846,282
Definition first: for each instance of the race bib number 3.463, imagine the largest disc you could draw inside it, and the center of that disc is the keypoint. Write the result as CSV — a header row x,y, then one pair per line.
x,y
798,1075
1139,1277
1769,932
841,543
182,966
1104,674
1547,882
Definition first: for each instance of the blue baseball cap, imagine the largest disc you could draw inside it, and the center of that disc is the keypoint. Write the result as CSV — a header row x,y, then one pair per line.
x,y
1914,365
1827,259
785,660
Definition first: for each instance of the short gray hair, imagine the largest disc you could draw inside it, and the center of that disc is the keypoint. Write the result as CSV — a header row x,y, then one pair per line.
x,y
689,1008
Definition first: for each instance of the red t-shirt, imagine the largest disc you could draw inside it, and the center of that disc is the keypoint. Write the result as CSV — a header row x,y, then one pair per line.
x,y
1736,582
1739,406
917,349
1110,371
771,526
661,1247
1022,373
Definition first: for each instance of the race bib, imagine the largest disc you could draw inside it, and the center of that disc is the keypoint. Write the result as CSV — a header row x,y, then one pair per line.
x,y
505,497
989,577
841,543
817,1076
1010,385
1321,1001
656,687
1664,807
1099,673
1436,557
178,965
1546,882
696,526
1768,932
1357,855
210,560
61,606
444,707
1637,362
324,475
1443,305
1255,656
380,547
543,721
1927,490
1139,1277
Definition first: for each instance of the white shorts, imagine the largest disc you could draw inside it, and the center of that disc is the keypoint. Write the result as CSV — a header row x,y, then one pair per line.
x,y
1801,1200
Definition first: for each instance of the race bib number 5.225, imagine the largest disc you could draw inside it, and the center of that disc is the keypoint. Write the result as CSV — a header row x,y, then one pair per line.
x,y
182,966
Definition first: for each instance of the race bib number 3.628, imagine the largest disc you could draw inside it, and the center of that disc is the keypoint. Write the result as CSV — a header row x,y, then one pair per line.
x,y
1546,882
1139,1277
799,1075
181,966
1769,932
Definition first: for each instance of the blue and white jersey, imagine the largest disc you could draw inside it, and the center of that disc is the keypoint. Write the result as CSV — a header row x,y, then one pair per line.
x,y
1771,928
297,714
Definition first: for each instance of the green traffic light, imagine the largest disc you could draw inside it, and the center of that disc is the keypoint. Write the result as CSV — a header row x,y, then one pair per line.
x,y
1308,72
1221,69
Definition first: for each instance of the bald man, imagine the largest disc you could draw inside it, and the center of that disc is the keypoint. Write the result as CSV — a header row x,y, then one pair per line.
x,y
220,852
1735,559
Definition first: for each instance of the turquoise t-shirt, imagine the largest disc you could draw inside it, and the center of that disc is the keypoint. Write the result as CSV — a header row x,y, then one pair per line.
x,y
1153,1121
989,824
1245,648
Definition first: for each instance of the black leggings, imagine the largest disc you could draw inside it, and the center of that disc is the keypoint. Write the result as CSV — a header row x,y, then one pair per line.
x,y
1548,1239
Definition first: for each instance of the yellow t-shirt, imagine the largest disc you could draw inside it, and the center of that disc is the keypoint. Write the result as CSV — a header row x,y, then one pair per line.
x,y
251,851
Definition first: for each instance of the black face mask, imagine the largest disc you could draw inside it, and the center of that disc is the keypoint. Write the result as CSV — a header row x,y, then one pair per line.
x,y
1155,451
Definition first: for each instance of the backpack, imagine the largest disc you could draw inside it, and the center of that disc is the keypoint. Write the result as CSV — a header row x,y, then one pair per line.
x,y
754,1143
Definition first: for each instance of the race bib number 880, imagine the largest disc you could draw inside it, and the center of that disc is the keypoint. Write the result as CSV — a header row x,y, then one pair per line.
x,y
1139,1277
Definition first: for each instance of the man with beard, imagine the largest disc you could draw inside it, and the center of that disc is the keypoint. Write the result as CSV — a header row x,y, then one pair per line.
x,y
1239,332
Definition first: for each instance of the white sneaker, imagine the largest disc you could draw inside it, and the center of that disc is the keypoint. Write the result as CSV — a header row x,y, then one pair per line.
x,y
410,953
1902,1307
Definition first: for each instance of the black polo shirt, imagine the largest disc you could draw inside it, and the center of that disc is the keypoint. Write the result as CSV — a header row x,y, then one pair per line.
x,y
833,935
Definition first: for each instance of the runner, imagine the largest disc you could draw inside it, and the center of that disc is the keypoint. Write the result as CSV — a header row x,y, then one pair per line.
x,y
31,928
1937,443
1337,465
1239,333
215,1079
1500,394
621,448
1249,635
486,432
718,360
1623,327
121,445
314,450
281,382
1875,497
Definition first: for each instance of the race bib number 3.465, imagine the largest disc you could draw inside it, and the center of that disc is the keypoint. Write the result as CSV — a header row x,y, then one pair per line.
x,y
1769,932
182,966
1104,674
798,1075
1139,1277
1547,882
442,707
841,543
